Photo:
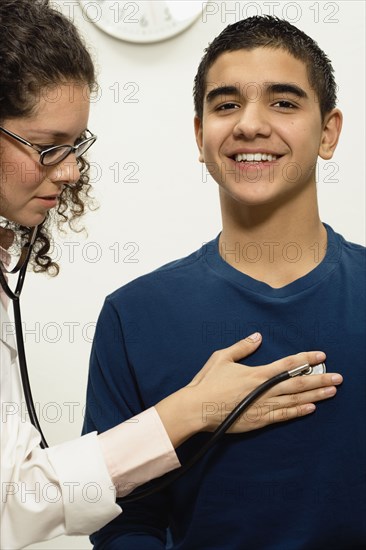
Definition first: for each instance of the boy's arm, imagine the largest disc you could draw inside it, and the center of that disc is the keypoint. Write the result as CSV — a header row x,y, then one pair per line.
x,y
142,524
112,398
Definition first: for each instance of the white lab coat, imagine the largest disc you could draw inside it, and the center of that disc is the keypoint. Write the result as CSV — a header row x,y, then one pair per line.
x,y
44,492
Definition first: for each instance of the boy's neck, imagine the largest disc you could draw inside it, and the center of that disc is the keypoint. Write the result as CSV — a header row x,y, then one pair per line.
x,y
275,245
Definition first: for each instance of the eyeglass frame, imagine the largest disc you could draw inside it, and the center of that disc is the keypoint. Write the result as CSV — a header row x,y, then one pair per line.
x,y
43,152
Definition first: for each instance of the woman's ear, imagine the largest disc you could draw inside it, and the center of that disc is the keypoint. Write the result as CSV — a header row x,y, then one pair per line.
x,y
332,126
199,137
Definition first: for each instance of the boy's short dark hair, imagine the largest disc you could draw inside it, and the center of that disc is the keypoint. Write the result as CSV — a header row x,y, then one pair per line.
x,y
270,32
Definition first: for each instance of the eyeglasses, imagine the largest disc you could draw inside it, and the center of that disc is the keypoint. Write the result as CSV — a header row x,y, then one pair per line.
x,y
50,156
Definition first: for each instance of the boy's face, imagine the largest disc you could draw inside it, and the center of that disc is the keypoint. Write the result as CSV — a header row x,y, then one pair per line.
x,y
259,103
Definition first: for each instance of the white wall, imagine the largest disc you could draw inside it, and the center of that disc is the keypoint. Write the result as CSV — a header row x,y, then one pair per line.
x,y
170,210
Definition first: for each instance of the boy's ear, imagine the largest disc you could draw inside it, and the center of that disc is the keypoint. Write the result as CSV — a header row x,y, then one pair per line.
x,y
199,137
332,126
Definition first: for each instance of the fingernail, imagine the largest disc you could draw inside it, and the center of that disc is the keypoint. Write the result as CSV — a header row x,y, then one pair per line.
x,y
310,408
320,356
254,337
337,378
330,391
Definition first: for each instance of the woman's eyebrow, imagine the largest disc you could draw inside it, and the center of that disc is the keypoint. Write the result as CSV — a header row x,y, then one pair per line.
x,y
54,133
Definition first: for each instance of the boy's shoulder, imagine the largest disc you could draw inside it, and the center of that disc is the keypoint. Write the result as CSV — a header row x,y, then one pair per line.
x,y
354,251
350,257
174,274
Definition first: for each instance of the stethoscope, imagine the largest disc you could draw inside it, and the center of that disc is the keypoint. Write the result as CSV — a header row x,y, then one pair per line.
x,y
167,479
21,267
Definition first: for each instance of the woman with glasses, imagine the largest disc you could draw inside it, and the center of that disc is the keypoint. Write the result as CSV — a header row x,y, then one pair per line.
x,y
50,156
46,79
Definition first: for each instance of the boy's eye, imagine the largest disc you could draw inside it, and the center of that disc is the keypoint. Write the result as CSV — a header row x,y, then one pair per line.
x,y
227,106
284,104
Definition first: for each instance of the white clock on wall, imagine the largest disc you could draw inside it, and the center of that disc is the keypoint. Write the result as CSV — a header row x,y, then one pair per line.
x,y
142,22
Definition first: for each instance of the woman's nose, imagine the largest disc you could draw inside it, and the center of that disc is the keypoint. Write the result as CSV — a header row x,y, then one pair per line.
x,y
67,172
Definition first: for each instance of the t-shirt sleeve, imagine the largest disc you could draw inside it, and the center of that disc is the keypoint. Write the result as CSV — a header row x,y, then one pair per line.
x,y
113,397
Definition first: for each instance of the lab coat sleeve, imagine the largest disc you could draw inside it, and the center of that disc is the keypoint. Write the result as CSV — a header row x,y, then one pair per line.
x,y
66,489
69,488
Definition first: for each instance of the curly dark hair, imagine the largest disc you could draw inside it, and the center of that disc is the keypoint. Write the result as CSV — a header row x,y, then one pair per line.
x,y
270,32
39,48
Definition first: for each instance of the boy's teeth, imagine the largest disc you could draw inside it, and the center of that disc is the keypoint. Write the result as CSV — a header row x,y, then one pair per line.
x,y
257,157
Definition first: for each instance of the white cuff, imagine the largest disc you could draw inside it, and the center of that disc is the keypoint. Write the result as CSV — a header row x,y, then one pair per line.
x,y
137,451
87,490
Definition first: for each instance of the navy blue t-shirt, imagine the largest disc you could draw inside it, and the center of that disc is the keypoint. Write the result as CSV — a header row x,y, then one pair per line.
x,y
299,485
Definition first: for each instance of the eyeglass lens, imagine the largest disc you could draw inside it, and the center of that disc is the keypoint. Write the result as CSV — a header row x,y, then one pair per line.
x,y
60,153
56,155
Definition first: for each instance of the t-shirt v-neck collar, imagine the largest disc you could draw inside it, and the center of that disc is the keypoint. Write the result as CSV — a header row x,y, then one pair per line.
x,y
325,268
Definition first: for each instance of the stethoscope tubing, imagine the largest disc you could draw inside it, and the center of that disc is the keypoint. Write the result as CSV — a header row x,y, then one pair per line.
x,y
24,372
21,267
168,478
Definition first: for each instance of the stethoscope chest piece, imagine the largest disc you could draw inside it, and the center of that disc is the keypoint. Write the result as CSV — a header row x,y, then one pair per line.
x,y
316,369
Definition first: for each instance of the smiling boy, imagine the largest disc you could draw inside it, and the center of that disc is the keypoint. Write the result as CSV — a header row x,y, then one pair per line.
x,y
265,110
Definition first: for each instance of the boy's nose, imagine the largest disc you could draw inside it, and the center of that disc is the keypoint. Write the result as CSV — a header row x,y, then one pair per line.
x,y
252,122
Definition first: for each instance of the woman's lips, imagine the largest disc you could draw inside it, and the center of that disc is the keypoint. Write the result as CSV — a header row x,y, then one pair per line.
x,y
49,201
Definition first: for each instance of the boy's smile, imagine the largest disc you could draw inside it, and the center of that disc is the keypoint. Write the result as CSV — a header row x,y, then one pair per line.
x,y
261,131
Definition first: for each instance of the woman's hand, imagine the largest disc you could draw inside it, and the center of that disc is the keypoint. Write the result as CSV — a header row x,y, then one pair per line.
x,y
222,383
